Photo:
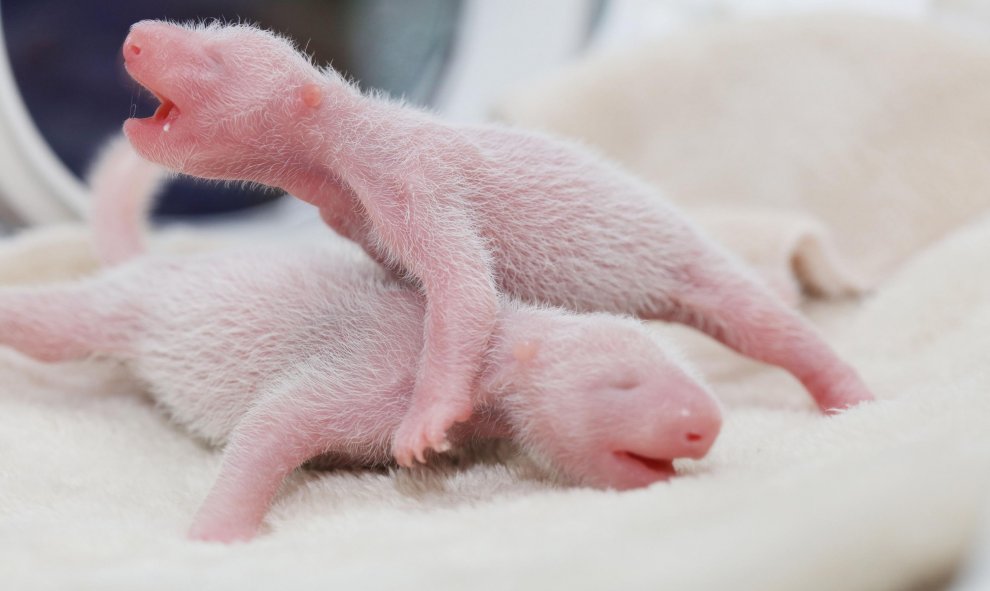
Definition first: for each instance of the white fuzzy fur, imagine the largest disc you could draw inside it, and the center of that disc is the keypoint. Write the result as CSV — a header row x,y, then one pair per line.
x,y
463,212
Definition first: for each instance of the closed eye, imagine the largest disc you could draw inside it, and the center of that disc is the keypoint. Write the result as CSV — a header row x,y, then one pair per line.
x,y
626,383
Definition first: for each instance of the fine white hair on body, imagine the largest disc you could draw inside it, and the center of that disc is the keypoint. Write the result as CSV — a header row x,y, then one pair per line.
x,y
462,211
285,353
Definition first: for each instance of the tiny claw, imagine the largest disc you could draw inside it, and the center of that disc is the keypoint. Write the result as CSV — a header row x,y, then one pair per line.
x,y
403,459
424,430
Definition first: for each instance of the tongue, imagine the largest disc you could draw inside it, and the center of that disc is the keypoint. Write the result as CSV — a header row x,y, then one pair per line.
x,y
163,110
653,463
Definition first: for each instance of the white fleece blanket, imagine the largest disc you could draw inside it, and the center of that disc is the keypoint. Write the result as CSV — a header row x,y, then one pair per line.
x,y
852,141
97,487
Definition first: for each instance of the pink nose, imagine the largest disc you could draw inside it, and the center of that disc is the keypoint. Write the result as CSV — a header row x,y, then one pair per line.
x,y
688,432
132,47
699,425
695,440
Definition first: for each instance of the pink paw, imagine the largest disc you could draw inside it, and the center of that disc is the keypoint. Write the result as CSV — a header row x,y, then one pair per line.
x,y
842,395
426,429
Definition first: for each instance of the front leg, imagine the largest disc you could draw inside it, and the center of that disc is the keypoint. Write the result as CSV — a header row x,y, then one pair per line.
x,y
457,327
437,244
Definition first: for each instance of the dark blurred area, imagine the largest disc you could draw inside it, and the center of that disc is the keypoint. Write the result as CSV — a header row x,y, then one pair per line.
x,y
66,60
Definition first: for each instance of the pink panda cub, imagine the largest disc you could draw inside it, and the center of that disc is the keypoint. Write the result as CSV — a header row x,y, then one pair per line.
x,y
464,211
286,353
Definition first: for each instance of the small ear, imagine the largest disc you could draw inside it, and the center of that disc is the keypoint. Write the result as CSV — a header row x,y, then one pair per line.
x,y
311,94
525,351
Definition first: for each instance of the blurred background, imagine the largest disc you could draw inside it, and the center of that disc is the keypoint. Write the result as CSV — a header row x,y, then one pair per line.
x,y
68,91
63,90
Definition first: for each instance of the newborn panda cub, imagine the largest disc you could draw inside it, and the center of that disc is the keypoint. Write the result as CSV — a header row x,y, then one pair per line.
x,y
463,211
288,353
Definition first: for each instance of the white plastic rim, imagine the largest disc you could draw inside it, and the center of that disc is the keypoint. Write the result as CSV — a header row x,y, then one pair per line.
x,y
35,186
503,43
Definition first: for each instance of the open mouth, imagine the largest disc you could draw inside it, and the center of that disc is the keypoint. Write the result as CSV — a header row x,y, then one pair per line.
x,y
166,111
148,77
661,466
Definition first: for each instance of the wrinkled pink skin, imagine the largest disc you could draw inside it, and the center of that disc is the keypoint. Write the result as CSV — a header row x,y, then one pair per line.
x,y
462,210
291,353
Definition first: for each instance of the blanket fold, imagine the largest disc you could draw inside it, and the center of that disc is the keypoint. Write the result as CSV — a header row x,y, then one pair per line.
x,y
873,131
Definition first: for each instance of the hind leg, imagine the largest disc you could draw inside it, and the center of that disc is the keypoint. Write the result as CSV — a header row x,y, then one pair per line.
x,y
723,301
63,323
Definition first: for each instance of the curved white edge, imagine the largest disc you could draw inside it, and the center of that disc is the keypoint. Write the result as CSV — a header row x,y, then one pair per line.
x,y
501,44
34,183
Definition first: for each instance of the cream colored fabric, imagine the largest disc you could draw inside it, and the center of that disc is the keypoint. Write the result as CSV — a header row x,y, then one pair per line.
x,y
875,130
97,486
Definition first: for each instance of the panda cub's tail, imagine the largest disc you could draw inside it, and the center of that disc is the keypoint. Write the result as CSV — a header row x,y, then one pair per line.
x,y
123,187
